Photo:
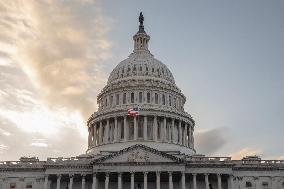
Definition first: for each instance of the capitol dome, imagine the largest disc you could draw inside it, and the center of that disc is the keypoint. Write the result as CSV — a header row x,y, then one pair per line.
x,y
138,65
145,82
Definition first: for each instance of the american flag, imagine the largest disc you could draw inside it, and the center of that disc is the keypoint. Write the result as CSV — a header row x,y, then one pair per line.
x,y
133,111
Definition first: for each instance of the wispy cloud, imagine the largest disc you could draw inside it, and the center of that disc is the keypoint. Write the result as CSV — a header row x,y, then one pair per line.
x,y
210,141
50,76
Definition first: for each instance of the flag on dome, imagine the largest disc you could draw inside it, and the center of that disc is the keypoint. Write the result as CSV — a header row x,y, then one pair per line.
x,y
133,111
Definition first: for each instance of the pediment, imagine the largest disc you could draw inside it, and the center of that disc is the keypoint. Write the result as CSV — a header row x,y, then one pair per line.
x,y
138,154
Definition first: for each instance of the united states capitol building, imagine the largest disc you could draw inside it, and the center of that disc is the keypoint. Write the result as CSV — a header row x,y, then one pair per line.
x,y
153,150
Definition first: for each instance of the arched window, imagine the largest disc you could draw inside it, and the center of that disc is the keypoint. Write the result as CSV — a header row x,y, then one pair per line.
x,y
156,98
170,100
164,99
106,101
140,97
148,98
124,98
248,184
132,97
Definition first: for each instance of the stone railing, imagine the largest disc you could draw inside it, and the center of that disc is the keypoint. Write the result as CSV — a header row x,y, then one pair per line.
x,y
71,160
21,164
201,159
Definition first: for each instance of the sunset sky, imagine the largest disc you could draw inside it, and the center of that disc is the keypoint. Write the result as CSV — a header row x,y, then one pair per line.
x,y
226,56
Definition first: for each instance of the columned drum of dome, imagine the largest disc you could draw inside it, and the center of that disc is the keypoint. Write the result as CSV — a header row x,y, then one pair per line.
x,y
141,80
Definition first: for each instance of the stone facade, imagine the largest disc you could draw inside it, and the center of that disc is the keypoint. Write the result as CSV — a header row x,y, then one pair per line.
x,y
154,150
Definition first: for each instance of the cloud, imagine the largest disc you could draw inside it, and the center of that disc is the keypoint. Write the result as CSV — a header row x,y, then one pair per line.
x,y
208,142
21,143
58,44
245,152
50,76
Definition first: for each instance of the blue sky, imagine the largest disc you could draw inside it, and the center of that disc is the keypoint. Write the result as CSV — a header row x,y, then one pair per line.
x,y
226,56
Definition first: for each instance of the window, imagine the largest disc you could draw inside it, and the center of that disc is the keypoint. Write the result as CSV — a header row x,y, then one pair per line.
x,y
140,97
265,184
170,100
124,98
248,184
132,97
12,185
175,102
106,101
164,99
117,99
156,98
111,100
148,98
29,185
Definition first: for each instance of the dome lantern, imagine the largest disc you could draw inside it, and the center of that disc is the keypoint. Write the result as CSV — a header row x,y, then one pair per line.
x,y
141,38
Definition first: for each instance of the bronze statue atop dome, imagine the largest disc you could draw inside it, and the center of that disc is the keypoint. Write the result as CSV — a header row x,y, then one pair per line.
x,y
141,18
141,26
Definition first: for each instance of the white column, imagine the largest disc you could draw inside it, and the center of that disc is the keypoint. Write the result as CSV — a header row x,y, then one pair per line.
x,y
145,180
219,181
192,137
182,180
101,133
94,185
95,134
273,182
185,135
165,129
132,180
189,136
125,128
171,181
71,181
107,181
231,182
145,128
173,131
107,132
58,182
206,181
257,183
194,181
155,129
119,181
45,181
90,136
179,133
135,128
83,181
158,180
115,130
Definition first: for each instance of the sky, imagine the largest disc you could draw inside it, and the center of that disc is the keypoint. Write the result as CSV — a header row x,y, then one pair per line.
x,y
226,56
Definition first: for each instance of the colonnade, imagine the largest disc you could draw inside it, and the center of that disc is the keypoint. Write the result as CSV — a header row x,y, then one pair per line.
x,y
155,128
145,181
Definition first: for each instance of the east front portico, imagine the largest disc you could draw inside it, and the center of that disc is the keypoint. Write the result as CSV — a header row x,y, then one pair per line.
x,y
138,166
